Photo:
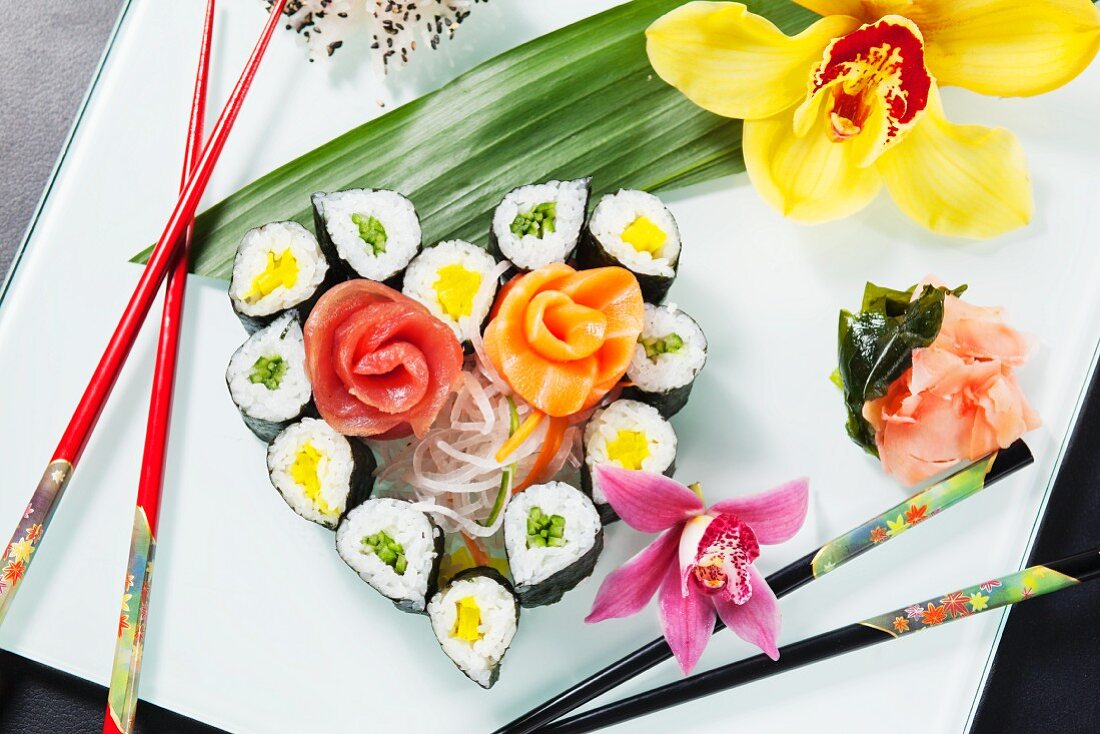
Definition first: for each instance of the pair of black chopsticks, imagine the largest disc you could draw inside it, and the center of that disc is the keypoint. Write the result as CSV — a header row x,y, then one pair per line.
x,y
960,485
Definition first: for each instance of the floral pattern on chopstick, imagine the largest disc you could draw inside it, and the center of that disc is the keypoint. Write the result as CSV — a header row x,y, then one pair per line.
x,y
19,551
122,697
902,517
1011,589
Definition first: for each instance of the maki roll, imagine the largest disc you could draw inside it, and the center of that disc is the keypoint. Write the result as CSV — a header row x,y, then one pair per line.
x,y
370,233
319,472
267,377
457,282
475,618
635,230
278,266
627,434
553,536
395,548
668,357
540,224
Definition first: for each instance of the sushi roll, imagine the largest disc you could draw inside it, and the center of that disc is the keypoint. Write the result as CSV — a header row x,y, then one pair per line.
x,y
635,230
475,618
267,377
457,282
395,548
627,434
370,233
540,224
553,536
278,266
319,472
668,357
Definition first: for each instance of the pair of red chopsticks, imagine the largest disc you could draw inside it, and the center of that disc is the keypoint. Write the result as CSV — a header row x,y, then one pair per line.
x,y
170,254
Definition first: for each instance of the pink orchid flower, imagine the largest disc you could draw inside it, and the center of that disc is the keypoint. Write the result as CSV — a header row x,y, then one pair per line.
x,y
702,561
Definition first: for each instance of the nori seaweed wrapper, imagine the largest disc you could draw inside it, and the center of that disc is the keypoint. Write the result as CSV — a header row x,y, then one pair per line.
x,y
551,590
668,403
592,254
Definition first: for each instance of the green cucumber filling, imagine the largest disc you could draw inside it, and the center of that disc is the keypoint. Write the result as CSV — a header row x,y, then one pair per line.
x,y
544,531
388,550
539,221
669,344
268,371
371,232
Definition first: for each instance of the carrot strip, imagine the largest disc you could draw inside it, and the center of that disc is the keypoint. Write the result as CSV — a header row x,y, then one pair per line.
x,y
555,432
530,423
479,556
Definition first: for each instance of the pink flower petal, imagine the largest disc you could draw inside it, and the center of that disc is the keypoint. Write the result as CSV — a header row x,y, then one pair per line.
x,y
757,620
645,501
688,620
627,589
776,515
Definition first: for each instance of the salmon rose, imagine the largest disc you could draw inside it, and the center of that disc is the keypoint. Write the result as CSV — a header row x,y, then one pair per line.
x,y
958,402
381,365
562,338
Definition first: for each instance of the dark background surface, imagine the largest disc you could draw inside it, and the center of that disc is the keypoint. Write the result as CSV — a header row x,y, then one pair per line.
x,y
1046,675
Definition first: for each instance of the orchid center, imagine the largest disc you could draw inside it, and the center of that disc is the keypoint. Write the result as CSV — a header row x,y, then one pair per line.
x,y
716,552
870,85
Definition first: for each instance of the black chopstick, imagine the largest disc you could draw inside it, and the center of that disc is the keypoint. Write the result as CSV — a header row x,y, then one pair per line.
x,y
937,497
1029,583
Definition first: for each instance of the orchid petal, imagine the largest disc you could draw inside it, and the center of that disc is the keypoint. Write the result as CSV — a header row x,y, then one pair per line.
x,y
807,177
776,515
757,621
687,619
645,501
854,8
1008,47
690,537
627,589
959,180
733,62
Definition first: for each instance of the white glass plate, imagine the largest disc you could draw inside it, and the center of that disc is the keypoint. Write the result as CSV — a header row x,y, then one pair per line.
x,y
256,625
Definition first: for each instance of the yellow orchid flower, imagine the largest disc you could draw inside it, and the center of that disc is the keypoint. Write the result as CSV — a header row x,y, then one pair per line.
x,y
852,103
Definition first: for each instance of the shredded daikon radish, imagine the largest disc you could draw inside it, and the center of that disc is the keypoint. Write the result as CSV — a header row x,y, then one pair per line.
x,y
452,472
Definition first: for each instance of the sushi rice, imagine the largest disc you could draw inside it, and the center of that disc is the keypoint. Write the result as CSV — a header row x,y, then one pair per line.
x,y
631,435
475,618
456,281
670,353
267,377
314,469
277,267
544,568
393,547
373,233
540,224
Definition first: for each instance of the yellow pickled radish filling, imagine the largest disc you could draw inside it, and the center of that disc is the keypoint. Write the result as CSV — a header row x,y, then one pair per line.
x,y
281,270
306,471
467,620
629,449
644,236
455,288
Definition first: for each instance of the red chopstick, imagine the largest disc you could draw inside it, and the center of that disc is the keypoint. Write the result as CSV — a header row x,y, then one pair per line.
x,y
126,669
36,519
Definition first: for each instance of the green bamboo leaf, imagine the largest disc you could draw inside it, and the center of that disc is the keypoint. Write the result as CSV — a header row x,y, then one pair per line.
x,y
580,101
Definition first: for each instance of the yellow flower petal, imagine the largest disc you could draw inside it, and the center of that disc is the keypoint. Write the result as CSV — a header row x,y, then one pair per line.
x,y
853,8
806,177
1008,47
734,63
959,180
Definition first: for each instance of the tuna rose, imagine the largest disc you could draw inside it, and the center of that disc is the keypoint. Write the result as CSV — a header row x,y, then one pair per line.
x,y
959,401
381,365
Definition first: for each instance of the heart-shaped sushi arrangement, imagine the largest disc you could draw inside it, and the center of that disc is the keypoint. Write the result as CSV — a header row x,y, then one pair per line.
x,y
444,408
